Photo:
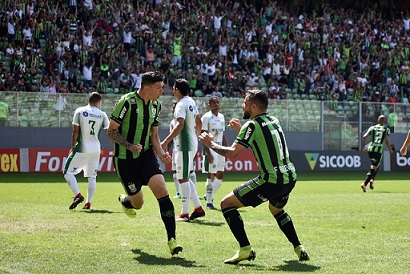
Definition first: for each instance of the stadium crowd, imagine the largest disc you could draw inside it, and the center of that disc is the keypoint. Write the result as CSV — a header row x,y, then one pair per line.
x,y
341,51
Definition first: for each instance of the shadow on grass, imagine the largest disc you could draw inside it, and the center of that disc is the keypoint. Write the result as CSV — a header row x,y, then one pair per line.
x,y
206,223
148,259
387,192
296,266
289,266
104,211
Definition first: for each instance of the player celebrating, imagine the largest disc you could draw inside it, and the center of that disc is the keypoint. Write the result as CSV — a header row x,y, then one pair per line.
x,y
134,130
379,135
277,174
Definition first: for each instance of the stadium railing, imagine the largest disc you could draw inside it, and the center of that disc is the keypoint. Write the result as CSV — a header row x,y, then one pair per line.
x,y
341,122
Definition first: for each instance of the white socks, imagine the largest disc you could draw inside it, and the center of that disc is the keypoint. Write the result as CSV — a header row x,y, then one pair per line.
x,y
177,184
72,183
192,177
188,192
92,184
209,186
185,196
217,184
194,195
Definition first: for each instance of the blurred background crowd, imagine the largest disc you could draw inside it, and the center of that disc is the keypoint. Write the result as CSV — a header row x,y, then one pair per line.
x,y
326,50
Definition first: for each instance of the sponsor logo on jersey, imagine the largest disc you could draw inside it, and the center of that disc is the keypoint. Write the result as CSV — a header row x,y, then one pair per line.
x,y
123,111
248,133
85,113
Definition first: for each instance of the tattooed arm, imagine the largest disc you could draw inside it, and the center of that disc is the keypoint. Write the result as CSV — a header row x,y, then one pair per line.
x,y
115,136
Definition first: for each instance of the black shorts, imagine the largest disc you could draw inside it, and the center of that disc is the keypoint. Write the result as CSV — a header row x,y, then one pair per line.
x,y
134,173
375,158
256,191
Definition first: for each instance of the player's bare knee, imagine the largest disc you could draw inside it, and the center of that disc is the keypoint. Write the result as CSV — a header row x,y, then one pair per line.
x,y
227,201
137,201
137,204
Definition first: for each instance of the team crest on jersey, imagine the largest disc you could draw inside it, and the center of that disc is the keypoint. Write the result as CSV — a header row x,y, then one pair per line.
x,y
85,113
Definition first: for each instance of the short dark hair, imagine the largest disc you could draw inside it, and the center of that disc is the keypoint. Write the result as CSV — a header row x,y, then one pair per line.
x,y
150,78
182,85
94,97
259,97
212,98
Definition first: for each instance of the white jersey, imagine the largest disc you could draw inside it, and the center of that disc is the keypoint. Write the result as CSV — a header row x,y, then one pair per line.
x,y
214,124
186,140
91,120
174,151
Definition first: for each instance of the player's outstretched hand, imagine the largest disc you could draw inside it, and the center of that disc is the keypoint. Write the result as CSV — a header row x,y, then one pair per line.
x,y
206,139
135,148
166,158
235,123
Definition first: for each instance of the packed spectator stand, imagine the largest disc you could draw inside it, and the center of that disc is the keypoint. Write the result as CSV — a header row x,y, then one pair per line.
x,y
334,51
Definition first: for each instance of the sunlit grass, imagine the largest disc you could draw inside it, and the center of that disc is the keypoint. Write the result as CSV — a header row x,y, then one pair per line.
x,y
344,229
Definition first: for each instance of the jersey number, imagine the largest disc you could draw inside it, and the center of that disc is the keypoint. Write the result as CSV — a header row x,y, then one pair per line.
x,y
278,133
379,136
92,124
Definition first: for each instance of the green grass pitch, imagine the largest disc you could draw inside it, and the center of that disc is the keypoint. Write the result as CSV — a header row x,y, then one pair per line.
x,y
343,229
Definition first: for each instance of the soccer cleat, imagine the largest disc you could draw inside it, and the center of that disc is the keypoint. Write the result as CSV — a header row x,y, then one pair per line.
x,y
244,253
371,184
302,253
174,247
131,212
198,212
87,206
177,196
77,200
363,187
182,218
210,206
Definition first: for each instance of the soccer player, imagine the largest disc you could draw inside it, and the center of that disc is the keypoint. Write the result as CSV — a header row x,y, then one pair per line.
x,y
173,165
403,149
85,149
186,144
134,130
379,135
213,122
276,179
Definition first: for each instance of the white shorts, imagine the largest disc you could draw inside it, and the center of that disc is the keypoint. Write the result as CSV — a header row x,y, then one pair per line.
x,y
87,162
184,163
217,165
173,165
